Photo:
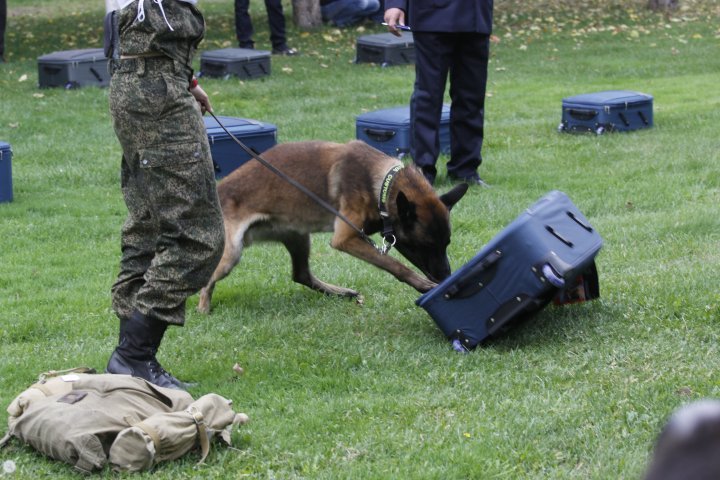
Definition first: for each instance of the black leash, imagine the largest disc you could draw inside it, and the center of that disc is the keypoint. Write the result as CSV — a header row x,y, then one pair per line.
x,y
303,189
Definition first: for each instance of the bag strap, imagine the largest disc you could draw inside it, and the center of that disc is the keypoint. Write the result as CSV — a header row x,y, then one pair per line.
x,y
42,378
197,416
199,420
150,433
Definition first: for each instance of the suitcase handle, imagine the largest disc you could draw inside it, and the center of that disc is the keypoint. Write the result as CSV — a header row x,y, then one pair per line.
x,y
643,117
582,114
521,305
379,135
574,218
624,119
557,235
96,74
468,284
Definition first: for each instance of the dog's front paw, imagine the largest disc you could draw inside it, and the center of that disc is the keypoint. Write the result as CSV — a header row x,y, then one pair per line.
x,y
425,286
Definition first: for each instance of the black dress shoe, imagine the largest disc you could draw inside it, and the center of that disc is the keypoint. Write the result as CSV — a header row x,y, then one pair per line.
x,y
284,51
473,179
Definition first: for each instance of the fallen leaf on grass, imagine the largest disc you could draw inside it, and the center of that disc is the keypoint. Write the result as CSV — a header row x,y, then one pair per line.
x,y
22,78
238,369
684,391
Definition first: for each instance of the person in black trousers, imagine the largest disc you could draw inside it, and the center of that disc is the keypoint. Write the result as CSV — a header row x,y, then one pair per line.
x,y
450,38
276,20
3,19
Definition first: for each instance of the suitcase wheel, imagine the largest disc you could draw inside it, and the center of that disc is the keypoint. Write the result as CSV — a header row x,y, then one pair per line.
x,y
552,277
458,346
460,343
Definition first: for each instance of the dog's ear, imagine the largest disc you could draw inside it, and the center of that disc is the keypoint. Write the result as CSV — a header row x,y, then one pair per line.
x,y
406,209
453,196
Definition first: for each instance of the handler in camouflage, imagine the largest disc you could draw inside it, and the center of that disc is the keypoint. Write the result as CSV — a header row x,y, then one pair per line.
x,y
173,236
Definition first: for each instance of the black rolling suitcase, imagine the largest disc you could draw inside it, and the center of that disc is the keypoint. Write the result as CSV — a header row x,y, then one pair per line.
x,y
228,155
547,253
6,187
608,111
385,49
74,68
244,63
388,130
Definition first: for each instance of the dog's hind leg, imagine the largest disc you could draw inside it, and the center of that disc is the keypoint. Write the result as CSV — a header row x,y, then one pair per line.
x,y
231,257
298,244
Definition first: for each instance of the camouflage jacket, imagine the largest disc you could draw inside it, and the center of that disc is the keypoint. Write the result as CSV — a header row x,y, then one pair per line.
x,y
172,27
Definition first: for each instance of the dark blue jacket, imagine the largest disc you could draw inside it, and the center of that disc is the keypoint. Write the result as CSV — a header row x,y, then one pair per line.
x,y
446,15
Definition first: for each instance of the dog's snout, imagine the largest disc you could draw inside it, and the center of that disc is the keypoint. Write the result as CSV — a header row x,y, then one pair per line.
x,y
439,270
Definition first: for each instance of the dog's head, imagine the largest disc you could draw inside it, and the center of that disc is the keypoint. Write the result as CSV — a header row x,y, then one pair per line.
x,y
422,227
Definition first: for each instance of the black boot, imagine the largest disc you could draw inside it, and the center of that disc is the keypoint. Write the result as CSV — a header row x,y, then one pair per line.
x,y
140,339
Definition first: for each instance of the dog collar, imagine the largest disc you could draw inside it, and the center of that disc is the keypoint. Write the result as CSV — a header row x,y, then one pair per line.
x,y
388,234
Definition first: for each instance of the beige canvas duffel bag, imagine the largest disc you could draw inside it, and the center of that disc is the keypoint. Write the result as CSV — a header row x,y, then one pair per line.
x,y
89,421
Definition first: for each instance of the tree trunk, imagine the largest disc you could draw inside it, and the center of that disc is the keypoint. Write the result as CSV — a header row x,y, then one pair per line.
x,y
306,14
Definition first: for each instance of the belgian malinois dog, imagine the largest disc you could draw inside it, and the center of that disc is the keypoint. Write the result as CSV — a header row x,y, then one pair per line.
x,y
259,205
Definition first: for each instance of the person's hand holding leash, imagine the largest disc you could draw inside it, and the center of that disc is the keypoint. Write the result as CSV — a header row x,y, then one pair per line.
x,y
201,97
394,19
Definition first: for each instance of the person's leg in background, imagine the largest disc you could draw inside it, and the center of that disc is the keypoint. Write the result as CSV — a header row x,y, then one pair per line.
x,y
468,79
432,63
276,21
243,24
3,23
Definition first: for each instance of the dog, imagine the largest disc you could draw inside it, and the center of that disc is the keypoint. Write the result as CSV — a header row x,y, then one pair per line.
x,y
259,205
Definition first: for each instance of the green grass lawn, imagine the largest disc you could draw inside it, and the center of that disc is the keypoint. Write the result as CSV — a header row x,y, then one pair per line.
x,y
340,390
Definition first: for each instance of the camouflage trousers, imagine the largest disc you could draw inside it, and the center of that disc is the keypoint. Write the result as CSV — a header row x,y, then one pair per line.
x,y
173,236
